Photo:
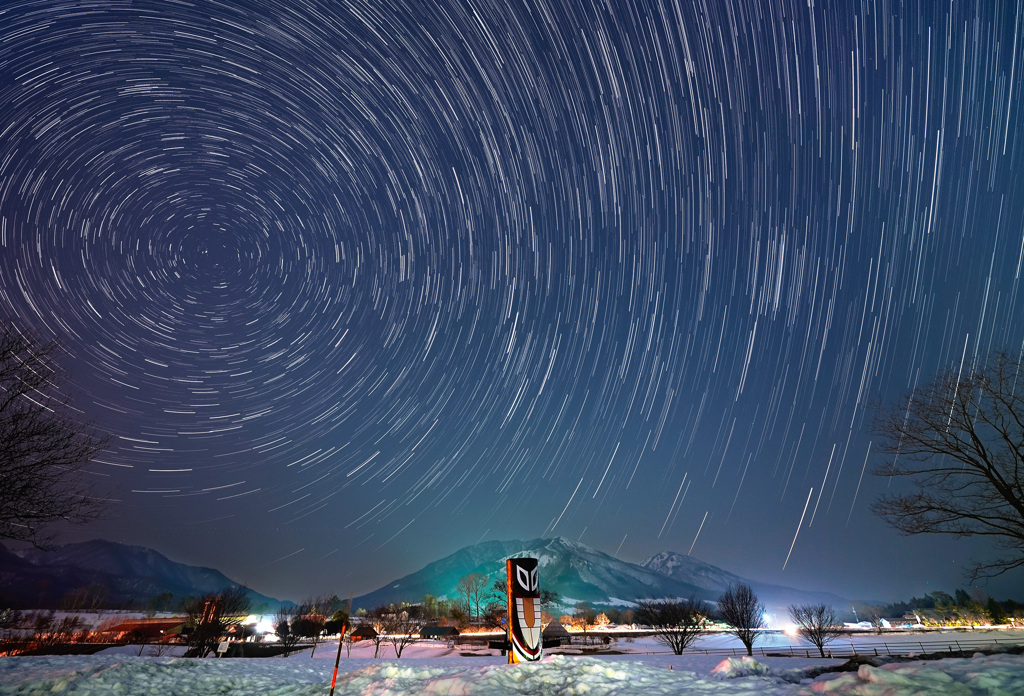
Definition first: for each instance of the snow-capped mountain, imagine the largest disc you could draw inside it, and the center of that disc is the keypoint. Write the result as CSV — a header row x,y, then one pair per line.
x,y
776,598
577,572
692,570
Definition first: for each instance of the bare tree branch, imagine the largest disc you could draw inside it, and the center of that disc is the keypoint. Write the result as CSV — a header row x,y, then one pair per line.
x,y
960,440
44,444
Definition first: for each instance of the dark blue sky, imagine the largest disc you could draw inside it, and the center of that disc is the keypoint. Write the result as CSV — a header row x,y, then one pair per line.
x,y
355,285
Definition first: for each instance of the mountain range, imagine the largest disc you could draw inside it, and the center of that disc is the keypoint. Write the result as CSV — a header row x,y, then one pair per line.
x,y
579,573
776,598
117,574
134,575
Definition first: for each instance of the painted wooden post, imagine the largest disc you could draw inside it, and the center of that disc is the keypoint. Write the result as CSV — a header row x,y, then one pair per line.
x,y
524,625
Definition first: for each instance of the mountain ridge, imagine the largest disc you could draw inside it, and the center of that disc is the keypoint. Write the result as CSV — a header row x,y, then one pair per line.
x,y
128,574
580,573
776,598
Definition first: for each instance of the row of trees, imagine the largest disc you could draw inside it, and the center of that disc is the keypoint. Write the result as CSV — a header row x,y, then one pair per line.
x,y
485,602
940,607
44,627
310,619
679,623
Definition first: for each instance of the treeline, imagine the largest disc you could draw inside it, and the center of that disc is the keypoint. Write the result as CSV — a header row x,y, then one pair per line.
x,y
959,608
477,602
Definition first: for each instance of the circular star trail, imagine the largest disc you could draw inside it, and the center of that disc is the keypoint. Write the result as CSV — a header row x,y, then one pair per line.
x,y
393,279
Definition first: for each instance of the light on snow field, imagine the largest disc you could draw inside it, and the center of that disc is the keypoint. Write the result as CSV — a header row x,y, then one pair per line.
x,y
424,669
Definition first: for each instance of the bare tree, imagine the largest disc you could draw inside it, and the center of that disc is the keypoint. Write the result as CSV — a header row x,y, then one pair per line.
x,y
473,591
44,444
47,629
310,621
9,618
399,625
305,620
816,623
960,440
583,616
495,611
159,649
12,623
309,626
137,637
677,623
283,626
403,628
89,598
210,617
378,620
495,615
873,613
740,608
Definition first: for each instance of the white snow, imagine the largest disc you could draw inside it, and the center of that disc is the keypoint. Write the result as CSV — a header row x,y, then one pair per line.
x,y
429,667
432,667
555,675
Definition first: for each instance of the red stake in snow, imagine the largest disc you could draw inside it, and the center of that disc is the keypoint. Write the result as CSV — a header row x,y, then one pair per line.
x,y
341,639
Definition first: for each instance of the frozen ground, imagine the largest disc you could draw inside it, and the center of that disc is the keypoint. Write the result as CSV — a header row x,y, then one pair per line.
x,y
434,669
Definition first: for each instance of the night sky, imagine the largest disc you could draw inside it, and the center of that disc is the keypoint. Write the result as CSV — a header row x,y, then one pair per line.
x,y
354,285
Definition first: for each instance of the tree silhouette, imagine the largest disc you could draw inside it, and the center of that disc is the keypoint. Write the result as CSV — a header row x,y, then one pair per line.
x,y
740,608
44,445
816,623
473,591
960,440
210,617
677,623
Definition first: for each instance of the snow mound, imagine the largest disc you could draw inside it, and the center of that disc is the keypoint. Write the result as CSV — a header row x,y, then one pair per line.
x,y
733,667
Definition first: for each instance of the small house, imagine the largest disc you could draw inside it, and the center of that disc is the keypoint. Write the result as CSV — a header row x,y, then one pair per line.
x,y
146,630
363,633
448,633
555,634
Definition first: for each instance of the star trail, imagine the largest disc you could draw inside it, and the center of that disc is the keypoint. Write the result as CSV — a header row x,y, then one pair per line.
x,y
353,285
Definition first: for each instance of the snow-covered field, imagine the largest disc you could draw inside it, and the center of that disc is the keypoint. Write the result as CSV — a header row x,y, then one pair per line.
x,y
427,668
108,674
